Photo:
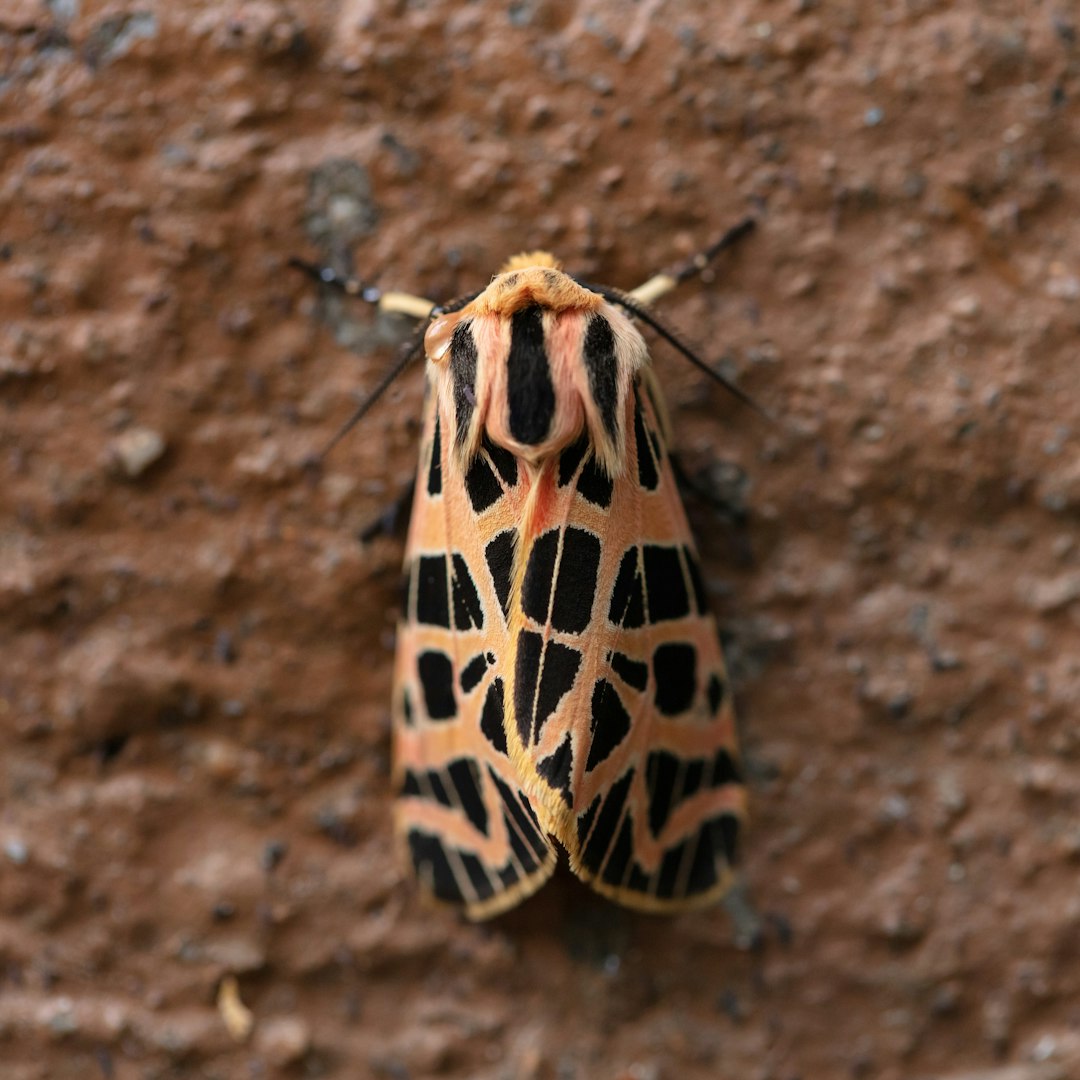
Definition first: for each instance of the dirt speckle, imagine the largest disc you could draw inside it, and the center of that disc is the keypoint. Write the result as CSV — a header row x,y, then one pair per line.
x,y
283,1040
134,451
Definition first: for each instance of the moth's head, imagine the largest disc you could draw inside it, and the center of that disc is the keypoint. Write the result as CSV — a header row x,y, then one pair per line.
x,y
531,278
534,278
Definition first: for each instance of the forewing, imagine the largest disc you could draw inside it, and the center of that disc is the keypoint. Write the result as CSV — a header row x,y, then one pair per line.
x,y
622,724
471,834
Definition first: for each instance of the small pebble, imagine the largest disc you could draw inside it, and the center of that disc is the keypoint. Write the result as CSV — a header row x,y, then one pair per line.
x,y
1048,595
273,853
62,1019
17,852
135,450
1064,288
965,306
282,1040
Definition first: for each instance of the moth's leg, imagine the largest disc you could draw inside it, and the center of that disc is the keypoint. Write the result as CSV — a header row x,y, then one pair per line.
x,y
394,519
728,507
726,504
397,303
664,282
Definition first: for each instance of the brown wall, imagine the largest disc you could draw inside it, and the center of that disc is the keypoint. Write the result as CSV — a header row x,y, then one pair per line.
x,y
195,659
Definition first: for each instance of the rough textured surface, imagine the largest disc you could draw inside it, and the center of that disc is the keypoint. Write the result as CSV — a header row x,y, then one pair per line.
x,y
196,648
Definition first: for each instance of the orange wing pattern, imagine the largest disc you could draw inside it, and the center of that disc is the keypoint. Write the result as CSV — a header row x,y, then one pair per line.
x,y
472,834
558,675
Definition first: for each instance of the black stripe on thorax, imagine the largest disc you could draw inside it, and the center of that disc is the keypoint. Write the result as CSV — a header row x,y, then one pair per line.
x,y
530,393
463,372
598,352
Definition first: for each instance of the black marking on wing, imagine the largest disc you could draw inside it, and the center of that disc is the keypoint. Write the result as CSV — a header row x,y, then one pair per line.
x,y
696,582
472,673
436,672
717,692
464,773
675,671
648,476
432,603
539,577
665,585
585,820
556,768
479,877
433,866
602,834
609,724
671,780
505,463
468,611
543,674
408,591
499,556
620,855
571,458
634,673
661,769
627,597
570,609
526,836
491,716
480,482
594,484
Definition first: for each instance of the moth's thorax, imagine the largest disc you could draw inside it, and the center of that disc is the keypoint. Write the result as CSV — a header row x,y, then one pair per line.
x,y
532,363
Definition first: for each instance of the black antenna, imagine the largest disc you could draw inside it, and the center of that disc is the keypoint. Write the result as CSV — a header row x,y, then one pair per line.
x,y
405,357
352,286
696,264
639,311
326,275
688,269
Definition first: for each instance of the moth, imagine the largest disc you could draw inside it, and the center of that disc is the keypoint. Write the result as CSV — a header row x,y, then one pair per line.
x,y
558,681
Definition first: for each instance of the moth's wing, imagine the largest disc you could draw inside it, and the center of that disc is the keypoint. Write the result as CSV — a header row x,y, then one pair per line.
x,y
622,723
470,832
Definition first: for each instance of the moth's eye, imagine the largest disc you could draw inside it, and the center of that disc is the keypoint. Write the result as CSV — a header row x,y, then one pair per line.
x,y
438,335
